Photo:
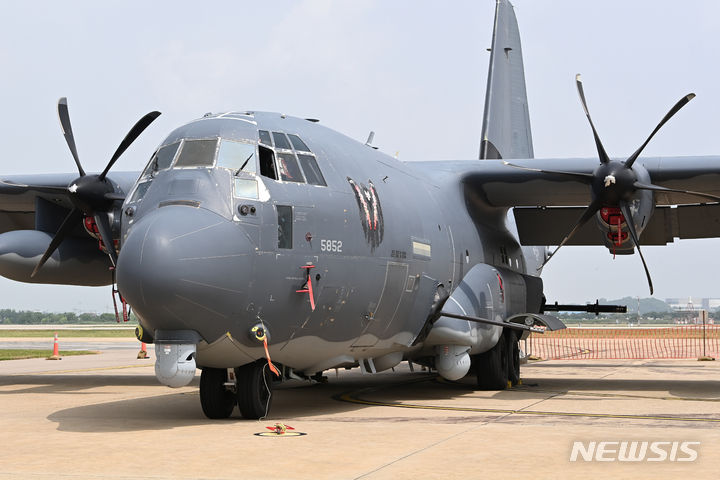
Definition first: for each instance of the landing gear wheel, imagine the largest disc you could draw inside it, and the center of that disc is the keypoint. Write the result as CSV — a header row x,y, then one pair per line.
x,y
513,351
216,400
254,387
491,367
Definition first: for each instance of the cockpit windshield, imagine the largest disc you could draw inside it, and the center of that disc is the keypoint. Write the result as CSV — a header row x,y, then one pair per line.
x,y
278,155
237,156
197,153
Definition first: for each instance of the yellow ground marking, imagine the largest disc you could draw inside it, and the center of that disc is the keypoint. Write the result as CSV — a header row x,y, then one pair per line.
x,y
352,397
348,397
616,395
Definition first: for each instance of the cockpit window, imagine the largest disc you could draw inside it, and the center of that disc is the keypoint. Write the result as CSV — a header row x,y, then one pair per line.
x,y
265,137
140,191
289,149
312,171
297,143
197,153
267,162
246,188
162,159
165,156
237,156
289,170
281,141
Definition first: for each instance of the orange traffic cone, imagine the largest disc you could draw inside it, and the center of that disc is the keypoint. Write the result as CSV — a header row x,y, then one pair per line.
x,y
56,350
143,351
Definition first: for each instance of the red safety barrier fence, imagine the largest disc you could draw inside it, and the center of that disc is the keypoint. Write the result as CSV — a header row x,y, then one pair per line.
x,y
685,341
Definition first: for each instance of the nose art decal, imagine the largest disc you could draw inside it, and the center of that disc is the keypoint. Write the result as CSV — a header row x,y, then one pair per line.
x,y
371,215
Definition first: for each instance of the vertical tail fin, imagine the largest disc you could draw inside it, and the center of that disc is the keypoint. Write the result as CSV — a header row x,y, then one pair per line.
x,y
506,121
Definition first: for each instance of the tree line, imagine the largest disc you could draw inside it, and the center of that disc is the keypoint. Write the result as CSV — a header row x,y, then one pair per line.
x,y
25,317
659,318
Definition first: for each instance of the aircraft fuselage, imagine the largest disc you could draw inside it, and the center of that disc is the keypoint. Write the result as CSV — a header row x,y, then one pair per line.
x,y
203,250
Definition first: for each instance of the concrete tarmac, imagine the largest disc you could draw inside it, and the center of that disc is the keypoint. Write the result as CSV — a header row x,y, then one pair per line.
x,y
105,416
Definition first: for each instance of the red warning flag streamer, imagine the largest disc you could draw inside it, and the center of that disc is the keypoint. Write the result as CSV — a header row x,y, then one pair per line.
x,y
267,355
307,288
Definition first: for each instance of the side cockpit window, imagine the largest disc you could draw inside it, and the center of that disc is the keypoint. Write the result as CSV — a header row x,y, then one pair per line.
x,y
281,141
291,160
312,171
162,159
265,137
289,169
298,144
267,162
140,191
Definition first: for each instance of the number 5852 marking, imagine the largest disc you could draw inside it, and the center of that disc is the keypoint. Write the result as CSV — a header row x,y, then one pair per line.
x,y
331,246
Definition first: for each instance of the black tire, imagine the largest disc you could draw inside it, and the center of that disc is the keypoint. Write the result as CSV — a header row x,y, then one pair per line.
x,y
254,392
513,351
216,400
491,367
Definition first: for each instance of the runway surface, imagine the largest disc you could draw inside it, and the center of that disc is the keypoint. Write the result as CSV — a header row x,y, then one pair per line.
x,y
71,343
105,416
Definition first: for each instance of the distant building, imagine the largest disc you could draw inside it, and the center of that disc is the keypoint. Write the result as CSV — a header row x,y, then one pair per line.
x,y
690,303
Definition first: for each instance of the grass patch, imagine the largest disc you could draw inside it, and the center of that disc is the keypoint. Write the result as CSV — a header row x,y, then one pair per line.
x,y
100,333
20,353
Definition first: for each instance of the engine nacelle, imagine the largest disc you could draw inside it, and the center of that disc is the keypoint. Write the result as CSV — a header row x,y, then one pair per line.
x,y
611,221
77,261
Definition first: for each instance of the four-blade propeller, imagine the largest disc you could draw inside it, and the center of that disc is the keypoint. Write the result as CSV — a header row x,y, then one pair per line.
x,y
91,195
613,183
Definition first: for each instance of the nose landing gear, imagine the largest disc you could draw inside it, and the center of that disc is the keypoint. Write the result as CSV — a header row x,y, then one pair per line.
x,y
249,387
254,393
216,399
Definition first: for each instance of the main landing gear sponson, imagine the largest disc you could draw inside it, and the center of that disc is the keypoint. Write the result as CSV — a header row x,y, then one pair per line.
x,y
252,391
498,365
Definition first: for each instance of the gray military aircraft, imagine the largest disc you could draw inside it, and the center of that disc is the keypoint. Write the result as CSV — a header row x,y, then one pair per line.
x,y
261,247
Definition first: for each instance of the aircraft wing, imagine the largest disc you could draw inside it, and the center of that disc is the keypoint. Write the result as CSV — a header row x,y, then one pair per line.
x,y
547,204
42,238
506,186
21,196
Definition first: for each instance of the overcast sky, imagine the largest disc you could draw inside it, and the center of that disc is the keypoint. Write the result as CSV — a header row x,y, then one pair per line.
x,y
413,71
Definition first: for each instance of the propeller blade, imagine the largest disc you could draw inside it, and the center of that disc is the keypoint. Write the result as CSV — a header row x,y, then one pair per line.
x,y
67,132
103,224
658,188
601,150
114,196
70,222
591,210
676,108
131,136
584,177
625,209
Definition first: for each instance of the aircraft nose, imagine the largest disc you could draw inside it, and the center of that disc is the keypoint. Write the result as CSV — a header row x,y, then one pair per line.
x,y
185,268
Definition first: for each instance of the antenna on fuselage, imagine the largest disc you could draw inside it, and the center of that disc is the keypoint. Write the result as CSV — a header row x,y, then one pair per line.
x,y
370,139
